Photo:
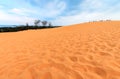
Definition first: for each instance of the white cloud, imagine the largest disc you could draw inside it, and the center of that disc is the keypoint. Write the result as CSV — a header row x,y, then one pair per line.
x,y
49,10
23,15
94,4
23,11
37,1
86,11
19,11
52,9
1,6
78,18
90,11
14,19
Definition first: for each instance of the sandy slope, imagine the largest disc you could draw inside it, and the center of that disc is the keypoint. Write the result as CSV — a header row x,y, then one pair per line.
x,y
83,51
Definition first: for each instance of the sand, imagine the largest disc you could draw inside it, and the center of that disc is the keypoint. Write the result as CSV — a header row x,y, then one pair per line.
x,y
81,51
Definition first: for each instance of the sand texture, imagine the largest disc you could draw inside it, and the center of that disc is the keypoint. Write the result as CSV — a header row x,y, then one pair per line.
x,y
82,51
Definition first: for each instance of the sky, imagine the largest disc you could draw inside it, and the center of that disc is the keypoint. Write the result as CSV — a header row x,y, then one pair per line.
x,y
59,12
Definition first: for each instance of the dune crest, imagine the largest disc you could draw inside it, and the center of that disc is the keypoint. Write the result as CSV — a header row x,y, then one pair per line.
x,y
82,51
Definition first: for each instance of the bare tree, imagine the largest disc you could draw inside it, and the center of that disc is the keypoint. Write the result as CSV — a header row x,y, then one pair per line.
x,y
50,24
44,23
27,24
36,22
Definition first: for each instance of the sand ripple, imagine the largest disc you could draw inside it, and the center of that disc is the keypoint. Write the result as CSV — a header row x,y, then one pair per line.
x,y
83,51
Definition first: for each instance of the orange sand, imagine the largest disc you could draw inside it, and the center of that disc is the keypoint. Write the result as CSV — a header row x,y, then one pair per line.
x,y
83,51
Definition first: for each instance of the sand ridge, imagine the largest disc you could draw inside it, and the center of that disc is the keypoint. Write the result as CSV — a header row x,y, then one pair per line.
x,y
82,51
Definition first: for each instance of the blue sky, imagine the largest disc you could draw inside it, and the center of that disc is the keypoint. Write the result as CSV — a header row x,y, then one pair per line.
x,y
59,12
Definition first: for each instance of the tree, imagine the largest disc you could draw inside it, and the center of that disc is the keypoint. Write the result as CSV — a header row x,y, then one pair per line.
x,y
44,23
50,24
36,22
27,25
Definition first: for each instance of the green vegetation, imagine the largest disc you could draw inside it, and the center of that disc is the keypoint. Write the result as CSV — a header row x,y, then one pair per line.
x,y
44,25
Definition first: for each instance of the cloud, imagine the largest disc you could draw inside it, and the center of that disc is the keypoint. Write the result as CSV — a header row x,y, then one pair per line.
x,y
1,6
51,9
14,19
28,12
89,11
60,12
88,5
78,18
19,11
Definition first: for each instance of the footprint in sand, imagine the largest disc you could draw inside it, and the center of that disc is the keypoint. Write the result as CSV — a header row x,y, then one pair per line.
x,y
49,71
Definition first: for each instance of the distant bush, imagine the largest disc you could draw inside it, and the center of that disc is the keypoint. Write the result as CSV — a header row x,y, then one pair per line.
x,y
36,22
21,28
45,25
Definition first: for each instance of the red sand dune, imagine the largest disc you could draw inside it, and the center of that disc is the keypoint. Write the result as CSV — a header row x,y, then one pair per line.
x,y
83,51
